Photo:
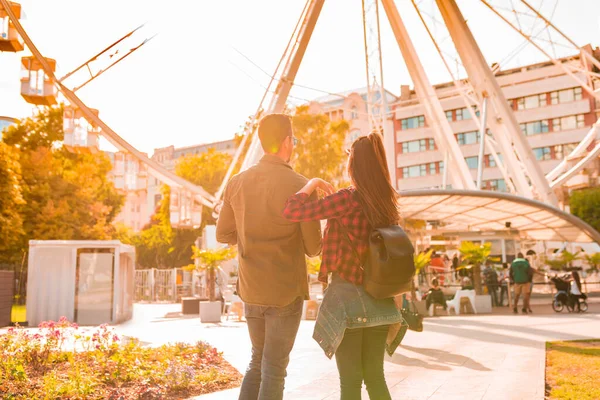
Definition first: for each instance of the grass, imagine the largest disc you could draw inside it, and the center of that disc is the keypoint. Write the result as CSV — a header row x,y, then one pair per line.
x,y
18,313
573,370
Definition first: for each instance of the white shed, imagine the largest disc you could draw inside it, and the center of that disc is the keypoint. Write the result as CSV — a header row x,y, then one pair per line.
x,y
90,282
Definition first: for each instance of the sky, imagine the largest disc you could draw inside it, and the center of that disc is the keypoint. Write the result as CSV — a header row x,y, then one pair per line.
x,y
190,84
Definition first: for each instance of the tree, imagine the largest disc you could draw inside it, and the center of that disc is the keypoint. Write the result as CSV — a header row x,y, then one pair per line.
x,y
585,204
66,196
207,170
210,261
593,261
320,151
475,255
11,223
563,262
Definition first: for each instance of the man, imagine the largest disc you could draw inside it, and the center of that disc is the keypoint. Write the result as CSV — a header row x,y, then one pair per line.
x,y
491,281
272,269
520,272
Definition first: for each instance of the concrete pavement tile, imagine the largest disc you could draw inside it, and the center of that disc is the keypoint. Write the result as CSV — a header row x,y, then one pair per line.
x,y
457,396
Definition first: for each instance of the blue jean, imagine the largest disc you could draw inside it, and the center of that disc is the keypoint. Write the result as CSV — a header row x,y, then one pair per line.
x,y
272,332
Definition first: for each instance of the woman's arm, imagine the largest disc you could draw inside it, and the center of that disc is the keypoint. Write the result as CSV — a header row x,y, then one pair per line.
x,y
299,209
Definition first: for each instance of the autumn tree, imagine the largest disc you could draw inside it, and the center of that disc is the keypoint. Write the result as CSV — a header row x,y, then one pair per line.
x,y
66,196
320,151
11,223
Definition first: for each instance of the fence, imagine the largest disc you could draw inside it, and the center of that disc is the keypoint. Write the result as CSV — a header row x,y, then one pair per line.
x,y
541,284
167,285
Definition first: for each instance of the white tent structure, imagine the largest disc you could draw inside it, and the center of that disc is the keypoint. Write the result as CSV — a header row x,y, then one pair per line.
x,y
90,282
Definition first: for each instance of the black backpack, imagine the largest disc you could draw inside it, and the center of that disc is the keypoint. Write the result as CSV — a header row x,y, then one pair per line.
x,y
390,266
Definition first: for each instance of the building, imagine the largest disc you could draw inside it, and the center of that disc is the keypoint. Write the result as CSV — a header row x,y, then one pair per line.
x,y
130,177
553,111
351,106
168,156
141,190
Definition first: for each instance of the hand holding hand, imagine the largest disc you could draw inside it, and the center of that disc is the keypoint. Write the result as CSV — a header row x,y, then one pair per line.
x,y
326,187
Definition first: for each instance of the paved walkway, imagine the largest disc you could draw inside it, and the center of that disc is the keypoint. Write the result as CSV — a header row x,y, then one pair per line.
x,y
466,357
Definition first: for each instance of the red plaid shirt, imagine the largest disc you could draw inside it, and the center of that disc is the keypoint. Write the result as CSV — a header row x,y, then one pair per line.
x,y
339,208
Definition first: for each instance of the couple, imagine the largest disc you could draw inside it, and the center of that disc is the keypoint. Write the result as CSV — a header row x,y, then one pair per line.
x,y
272,214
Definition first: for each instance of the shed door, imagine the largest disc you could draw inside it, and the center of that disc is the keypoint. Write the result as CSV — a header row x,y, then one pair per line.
x,y
94,286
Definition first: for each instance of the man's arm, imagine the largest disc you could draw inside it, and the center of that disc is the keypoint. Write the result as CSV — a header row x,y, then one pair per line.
x,y
226,229
311,235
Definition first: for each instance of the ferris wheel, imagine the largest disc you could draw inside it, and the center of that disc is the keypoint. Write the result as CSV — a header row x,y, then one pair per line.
x,y
500,132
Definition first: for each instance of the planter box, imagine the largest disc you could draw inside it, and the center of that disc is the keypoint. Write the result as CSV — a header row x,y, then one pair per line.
x,y
483,303
190,305
210,311
7,284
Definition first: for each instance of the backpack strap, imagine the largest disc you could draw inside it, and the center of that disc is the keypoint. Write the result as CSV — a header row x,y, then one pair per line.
x,y
343,229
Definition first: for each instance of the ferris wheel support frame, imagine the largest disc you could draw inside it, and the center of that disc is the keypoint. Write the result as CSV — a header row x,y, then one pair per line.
x,y
504,125
282,90
434,112
155,169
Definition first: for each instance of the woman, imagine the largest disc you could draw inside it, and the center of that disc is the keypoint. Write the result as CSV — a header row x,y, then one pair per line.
x,y
435,296
576,289
351,324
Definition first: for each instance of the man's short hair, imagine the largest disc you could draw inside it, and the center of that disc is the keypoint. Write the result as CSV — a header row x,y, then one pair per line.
x,y
272,131
520,255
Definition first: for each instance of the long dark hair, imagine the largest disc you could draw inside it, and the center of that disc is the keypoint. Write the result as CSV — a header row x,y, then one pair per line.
x,y
370,176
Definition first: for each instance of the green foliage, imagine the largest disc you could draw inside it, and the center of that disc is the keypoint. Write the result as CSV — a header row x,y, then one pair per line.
x,y
320,151
563,262
65,196
210,260
476,255
44,364
422,260
207,170
593,262
313,265
585,204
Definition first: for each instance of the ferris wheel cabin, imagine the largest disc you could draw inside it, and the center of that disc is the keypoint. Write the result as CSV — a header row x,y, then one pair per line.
x,y
10,40
80,135
37,87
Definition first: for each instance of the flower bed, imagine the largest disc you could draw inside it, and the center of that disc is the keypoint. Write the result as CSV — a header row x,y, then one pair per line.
x,y
61,360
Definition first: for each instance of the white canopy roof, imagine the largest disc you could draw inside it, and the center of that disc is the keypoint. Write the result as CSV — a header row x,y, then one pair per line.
x,y
479,210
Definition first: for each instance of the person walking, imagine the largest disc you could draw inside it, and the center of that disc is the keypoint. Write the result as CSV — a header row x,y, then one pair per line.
x,y
272,268
576,291
491,281
520,272
351,324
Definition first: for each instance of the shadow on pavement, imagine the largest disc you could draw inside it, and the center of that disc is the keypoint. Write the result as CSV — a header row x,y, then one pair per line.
x,y
445,357
494,337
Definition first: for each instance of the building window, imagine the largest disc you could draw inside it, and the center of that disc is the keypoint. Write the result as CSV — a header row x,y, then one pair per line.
x,y
566,95
416,146
535,127
542,153
567,123
413,122
472,162
432,169
464,113
535,101
496,185
449,115
354,113
431,144
468,138
415,171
